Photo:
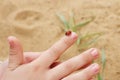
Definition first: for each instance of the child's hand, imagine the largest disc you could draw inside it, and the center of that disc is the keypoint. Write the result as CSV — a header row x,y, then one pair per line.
x,y
39,68
28,57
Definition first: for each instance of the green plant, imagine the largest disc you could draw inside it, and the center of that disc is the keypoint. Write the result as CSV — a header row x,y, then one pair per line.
x,y
103,62
88,39
70,25
83,41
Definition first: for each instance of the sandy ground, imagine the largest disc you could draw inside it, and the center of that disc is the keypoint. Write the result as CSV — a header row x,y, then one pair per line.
x,y
35,23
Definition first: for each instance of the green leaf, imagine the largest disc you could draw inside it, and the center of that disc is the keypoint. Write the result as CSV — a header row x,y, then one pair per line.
x,y
72,20
78,40
91,35
83,23
103,60
86,44
65,22
99,77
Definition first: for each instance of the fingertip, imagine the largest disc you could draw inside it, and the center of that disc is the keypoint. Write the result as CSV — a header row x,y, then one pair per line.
x,y
71,35
95,68
11,38
74,35
95,52
91,71
14,42
11,41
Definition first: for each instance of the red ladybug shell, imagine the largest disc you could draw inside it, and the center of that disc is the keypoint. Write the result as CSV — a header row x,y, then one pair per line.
x,y
68,33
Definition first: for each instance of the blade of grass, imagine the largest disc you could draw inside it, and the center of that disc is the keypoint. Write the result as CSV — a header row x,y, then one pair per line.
x,y
91,35
72,19
103,60
89,43
64,21
83,23
78,40
99,77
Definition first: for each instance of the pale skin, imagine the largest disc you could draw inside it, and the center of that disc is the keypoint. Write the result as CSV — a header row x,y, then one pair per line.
x,y
34,66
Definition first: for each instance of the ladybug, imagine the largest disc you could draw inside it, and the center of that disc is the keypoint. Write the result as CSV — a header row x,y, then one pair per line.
x,y
68,33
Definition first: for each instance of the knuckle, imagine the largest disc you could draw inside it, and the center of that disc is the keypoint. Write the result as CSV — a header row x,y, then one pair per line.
x,y
68,66
34,67
50,77
64,79
53,52
12,66
87,74
67,42
86,58
13,52
69,78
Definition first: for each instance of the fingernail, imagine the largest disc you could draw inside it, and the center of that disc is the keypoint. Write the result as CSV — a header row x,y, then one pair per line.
x,y
11,43
95,68
74,36
94,53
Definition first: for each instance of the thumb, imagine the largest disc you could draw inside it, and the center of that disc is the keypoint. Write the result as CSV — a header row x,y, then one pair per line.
x,y
15,54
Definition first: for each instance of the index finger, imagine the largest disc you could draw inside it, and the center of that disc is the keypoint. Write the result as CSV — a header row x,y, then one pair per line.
x,y
54,52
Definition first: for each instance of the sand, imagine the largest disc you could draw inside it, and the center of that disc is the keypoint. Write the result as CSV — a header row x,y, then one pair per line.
x,y
34,22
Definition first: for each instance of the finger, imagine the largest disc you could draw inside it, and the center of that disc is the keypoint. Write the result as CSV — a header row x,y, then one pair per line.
x,y
85,74
56,50
74,64
1,68
16,53
30,56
